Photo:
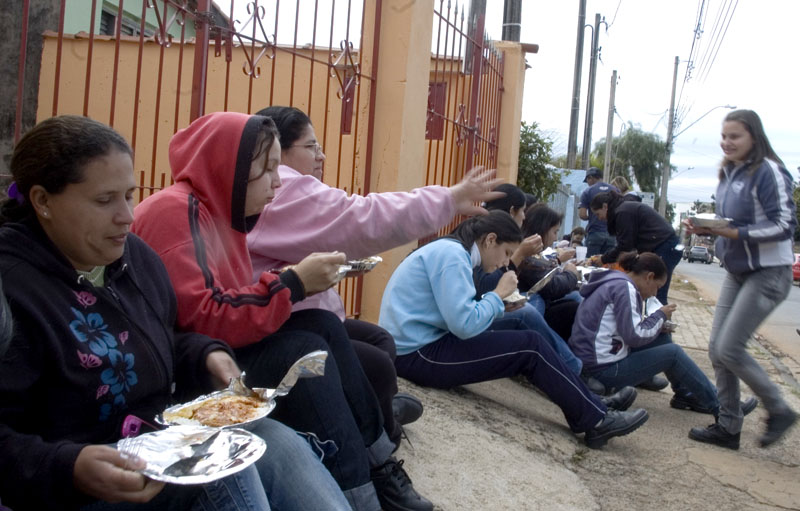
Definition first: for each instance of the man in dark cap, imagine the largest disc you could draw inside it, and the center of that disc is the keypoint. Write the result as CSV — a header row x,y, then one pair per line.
x,y
598,240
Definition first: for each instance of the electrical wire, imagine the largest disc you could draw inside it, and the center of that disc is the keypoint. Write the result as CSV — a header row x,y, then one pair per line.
x,y
615,16
714,58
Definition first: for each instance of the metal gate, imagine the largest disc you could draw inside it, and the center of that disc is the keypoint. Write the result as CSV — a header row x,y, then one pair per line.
x,y
149,67
464,97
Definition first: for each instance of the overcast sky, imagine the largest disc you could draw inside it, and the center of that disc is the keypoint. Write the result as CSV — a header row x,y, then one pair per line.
x,y
747,56
756,67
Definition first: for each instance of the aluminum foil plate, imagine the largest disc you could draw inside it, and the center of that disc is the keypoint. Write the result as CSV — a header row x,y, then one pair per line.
x,y
173,415
365,264
543,281
709,221
515,298
194,454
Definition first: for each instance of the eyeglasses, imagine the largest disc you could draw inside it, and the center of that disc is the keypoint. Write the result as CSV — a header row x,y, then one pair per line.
x,y
314,146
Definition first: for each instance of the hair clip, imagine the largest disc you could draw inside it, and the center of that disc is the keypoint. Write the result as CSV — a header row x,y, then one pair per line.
x,y
14,193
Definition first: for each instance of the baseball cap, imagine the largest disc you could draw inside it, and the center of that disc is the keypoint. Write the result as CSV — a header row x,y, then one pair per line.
x,y
593,172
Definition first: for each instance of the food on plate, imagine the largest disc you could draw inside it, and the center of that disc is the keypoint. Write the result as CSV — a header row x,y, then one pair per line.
x,y
219,411
514,297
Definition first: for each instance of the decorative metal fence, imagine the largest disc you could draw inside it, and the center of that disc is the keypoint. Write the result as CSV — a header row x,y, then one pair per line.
x,y
464,97
149,67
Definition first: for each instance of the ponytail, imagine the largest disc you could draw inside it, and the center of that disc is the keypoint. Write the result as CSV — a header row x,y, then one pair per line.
x,y
645,262
498,222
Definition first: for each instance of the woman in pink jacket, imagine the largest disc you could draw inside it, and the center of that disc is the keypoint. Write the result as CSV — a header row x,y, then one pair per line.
x,y
306,216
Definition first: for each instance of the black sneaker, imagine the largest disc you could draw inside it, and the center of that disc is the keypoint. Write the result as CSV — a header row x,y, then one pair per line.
x,y
406,408
621,400
615,423
655,383
395,490
690,403
714,434
777,425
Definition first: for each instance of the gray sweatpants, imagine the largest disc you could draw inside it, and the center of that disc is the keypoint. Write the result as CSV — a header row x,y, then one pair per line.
x,y
744,302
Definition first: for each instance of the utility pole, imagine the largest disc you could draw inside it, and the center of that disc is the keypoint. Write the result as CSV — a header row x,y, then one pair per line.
x,y
662,203
610,128
587,128
572,143
512,20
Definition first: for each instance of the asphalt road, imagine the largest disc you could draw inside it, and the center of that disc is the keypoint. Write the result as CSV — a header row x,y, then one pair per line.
x,y
779,327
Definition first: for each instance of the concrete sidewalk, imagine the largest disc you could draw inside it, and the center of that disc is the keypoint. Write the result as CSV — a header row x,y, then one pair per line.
x,y
502,445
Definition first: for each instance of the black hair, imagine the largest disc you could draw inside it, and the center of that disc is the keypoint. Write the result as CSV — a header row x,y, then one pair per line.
x,y
53,154
267,135
530,200
761,146
610,197
514,198
289,121
643,263
498,222
539,219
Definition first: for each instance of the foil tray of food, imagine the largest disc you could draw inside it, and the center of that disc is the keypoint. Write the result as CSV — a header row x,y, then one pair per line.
x,y
364,264
356,267
239,405
193,454
515,298
709,221
221,409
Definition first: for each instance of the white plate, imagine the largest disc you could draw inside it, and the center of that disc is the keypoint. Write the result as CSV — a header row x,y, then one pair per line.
x,y
709,221
231,451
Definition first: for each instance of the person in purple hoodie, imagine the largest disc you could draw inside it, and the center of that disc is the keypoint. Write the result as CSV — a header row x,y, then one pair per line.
x,y
621,344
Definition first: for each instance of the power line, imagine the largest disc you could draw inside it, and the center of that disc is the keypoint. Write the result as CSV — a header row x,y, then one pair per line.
x,y
714,58
698,31
615,15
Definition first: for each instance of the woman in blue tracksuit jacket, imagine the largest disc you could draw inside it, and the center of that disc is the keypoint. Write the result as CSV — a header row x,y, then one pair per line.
x,y
445,337
755,193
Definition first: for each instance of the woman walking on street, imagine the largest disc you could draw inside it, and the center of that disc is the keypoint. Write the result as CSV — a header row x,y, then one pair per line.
x,y
755,193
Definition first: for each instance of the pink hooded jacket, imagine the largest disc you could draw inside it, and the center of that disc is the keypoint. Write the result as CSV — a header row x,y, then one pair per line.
x,y
308,216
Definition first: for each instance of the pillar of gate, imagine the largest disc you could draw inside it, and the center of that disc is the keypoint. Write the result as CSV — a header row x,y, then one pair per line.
x,y
398,130
510,109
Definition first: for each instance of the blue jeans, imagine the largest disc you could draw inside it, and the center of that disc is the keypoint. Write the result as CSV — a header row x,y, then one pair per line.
x,y
671,257
744,302
540,304
239,492
599,242
293,477
339,405
528,318
450,361
661,355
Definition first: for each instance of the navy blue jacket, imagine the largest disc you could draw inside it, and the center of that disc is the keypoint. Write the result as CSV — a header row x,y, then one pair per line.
x,y
762,209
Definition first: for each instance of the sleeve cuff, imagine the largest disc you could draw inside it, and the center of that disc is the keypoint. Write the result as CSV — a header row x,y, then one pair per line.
x,y
290,279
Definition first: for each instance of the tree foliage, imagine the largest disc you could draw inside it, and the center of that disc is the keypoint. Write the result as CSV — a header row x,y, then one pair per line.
x,y
535,152
796,197
636,154
561,161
